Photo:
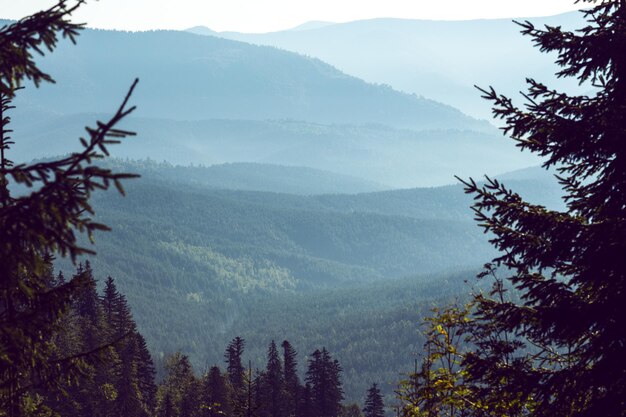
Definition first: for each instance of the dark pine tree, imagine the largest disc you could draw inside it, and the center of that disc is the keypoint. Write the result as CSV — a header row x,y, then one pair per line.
x,y
274,383
291,380
88,304
351,410
259,401
167,407
234,366
374,406
127,402
324,377
215,393
180,390
569,268
305,404
109,300
145,374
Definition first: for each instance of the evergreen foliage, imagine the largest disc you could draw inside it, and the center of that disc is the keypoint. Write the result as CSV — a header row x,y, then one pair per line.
x,y
290,378
43,221
274,379
549,339
216,394
324,377
235,369
263,393
374,405
120,380
569,267
351,410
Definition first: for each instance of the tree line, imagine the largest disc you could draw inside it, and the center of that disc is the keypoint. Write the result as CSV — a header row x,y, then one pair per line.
x,y
238,390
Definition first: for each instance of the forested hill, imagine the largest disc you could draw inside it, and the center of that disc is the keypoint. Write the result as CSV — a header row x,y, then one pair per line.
x,y
191,237
189,77
201,265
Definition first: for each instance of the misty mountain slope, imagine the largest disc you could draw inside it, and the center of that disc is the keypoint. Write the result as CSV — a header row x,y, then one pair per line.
x,y
262,177
190,77
441,60
202,238
379,154
200,266
196,239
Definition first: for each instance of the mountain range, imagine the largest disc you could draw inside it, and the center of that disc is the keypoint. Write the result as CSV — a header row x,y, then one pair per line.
x,y
441,60
207,100
188,77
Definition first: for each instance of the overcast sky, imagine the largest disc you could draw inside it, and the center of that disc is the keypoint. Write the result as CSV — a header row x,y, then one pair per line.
x,y
272,15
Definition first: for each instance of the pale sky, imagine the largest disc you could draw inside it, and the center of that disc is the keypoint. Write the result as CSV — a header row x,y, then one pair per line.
x,y
273,15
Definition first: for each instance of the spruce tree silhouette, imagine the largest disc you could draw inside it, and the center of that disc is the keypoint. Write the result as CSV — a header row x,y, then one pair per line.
x,y
44,221
568,267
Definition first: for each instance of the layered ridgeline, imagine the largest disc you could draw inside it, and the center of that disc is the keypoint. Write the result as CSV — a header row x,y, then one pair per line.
x,y
383,155
441,60
201,265
189,77
206,100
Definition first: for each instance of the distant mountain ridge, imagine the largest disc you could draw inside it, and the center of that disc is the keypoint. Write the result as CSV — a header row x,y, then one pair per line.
x,y
441,60
245,176
188,77
311,24
206,100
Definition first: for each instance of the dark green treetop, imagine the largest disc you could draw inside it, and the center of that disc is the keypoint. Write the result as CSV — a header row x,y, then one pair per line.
x,y
324,377
374,405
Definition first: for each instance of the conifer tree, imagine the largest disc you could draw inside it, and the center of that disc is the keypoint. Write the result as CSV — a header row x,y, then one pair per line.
x,y
167,407
374,405
235,369
145,374
324,377
249,402
216,396
127,402
259,401
274,382
306,406
179,392
45,220
291,380
110,299
351,410
88,304
568,267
